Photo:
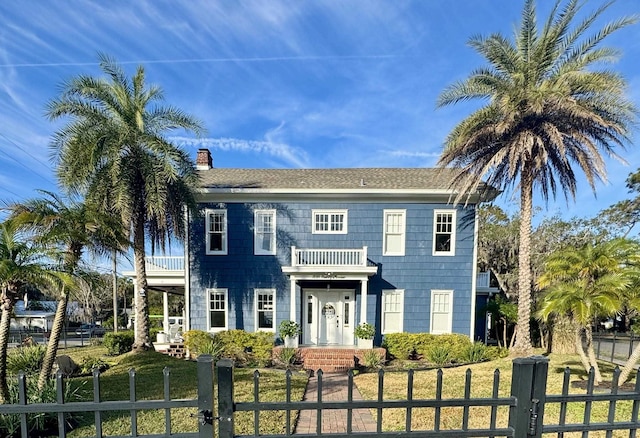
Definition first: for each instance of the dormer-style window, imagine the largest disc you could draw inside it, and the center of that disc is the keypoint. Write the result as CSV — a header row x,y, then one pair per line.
x,y
264,232
329,222
216,223
444,232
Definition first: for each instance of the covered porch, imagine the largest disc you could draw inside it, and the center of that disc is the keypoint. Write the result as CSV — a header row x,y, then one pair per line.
x,y
324,286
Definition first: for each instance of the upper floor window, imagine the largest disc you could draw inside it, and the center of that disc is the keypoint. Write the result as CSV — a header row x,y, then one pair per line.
x,y
264,232
444,232
265,309
394,232
216,223
217,315
329,221
392,311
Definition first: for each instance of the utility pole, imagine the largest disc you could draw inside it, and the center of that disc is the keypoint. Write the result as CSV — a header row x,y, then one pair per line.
x,y
115,292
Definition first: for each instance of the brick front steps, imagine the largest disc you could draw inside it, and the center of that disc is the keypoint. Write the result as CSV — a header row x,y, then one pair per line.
x,y
330,359
172,349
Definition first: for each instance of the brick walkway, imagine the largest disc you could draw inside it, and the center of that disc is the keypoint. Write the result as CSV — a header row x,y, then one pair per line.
x,y
334,388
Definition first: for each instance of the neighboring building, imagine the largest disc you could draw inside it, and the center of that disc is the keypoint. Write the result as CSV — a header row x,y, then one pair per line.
x,y
329,249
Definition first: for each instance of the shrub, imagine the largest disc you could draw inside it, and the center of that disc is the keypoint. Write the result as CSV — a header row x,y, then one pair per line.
x,y
26,359
372,359
89,363
399,345
288,356
439,355
246,348
476,352
197,341
494,352
42,424
118,343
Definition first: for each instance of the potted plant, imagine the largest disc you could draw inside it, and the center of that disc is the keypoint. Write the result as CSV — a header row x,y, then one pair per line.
x,y
289,331
365,333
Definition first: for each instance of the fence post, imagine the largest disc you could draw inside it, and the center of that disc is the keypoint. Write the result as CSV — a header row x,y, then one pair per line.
x,y
528,386
205,396
224,369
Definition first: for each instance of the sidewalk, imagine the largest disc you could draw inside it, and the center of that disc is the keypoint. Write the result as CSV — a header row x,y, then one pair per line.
x,y
334,388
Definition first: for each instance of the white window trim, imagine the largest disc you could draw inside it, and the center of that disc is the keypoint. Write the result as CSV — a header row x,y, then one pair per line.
x,y
208,212
330,211
226,309
260,251
255,309
450,319
385,252
383,316
454,225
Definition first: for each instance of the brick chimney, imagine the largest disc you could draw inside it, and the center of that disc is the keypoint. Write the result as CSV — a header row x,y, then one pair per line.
x,y
204,160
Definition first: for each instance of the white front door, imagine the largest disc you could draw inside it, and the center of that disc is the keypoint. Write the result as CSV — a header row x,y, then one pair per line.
x,y
329,317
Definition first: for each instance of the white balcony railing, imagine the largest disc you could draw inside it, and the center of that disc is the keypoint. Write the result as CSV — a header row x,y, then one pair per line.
x,y
164,263
482,279
328,257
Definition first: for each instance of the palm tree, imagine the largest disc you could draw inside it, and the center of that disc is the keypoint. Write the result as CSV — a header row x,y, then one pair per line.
x,y
551,108
113,151
587,283
73,226
23,261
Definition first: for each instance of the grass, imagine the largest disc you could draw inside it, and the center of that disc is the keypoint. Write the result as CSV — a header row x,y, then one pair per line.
x,y
114,385
395,388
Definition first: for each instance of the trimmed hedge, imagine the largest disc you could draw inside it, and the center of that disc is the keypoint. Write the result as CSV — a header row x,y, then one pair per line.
x,y
406,345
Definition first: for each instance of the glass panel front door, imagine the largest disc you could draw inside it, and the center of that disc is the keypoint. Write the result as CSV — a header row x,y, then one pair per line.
x,y
328,317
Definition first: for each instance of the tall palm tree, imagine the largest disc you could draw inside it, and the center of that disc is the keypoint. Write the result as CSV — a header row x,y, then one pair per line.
x,y
23,261
114,151
72,226
587,283
551,108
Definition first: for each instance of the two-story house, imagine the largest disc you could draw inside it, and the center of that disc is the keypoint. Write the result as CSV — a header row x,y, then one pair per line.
x,y
329,249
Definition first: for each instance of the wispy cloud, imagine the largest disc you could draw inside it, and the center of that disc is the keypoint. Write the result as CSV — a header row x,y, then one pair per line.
x,y
290,155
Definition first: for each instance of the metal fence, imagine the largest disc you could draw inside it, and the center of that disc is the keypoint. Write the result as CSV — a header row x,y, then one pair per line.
x,y
614,347
526,406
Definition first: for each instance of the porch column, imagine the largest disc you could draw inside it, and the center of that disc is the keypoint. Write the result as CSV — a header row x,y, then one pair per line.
x,y
165,311
364,288
292,309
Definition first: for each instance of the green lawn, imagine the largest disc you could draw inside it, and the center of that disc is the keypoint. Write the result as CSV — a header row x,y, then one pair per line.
x,y
149,385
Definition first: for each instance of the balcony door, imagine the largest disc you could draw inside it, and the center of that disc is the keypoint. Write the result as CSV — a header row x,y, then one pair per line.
x,y
329,316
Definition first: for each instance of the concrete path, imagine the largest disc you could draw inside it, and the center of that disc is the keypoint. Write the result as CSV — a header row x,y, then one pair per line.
x,y
334,388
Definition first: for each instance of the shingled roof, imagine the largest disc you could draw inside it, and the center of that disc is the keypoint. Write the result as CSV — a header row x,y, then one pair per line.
x,y
342,178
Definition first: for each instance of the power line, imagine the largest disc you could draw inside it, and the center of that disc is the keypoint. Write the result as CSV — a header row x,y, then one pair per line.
x,y
21,164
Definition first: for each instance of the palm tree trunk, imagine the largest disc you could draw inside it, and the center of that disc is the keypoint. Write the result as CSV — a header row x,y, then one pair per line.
x,y
142,339
580,351
523,346
54,340
592,355
5,326
629,364
563,334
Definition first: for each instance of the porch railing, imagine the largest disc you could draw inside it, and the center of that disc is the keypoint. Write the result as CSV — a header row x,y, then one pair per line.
x,y
164,263
482,279
328,257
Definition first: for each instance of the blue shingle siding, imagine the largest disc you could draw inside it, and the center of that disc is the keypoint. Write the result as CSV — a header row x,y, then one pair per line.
x,y
417,272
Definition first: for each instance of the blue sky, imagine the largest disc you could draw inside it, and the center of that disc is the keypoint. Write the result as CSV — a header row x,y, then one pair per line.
x,y
284,84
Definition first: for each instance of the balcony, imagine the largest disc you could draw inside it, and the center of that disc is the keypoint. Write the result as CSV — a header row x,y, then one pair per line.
x,y
164,263
330,262
483,282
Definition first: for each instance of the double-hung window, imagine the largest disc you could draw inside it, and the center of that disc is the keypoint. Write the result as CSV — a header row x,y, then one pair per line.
x,y
265,309
218,310
329,222
444,232
392,311
264,232
216,223
441,311
394,232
